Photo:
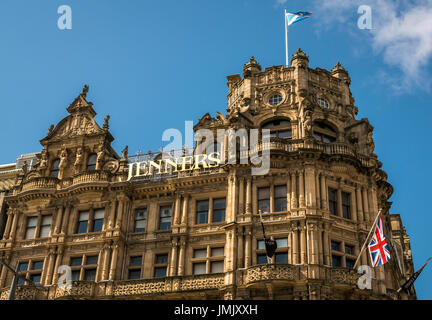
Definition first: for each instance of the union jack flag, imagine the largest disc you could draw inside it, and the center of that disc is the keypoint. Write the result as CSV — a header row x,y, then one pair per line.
x,y
378,247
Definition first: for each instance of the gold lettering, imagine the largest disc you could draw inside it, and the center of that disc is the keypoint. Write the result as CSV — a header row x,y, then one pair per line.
x,y
184,163
214,157
197,161
171,163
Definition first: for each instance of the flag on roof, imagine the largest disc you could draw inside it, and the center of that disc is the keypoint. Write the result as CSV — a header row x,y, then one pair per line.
x,y
296,17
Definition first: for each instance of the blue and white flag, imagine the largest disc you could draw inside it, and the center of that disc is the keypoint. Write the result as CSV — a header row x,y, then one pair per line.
x,y
296,17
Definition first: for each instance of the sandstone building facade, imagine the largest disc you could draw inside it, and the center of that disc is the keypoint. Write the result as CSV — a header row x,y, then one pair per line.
x,y
197,234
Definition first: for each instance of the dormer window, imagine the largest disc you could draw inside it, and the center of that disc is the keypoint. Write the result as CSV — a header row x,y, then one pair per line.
x,y
275,99
323,132
54,172
323,103
91,162
280,128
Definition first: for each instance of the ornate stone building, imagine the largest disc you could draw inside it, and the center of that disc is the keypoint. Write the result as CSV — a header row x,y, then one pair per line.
x,y
196,234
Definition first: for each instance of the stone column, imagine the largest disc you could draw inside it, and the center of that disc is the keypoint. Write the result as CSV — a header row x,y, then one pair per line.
x,y
106,262
248,246
365,205
294,203
326,244
295,253
353,206
230,256
360,216
310,198
14,225
10,217
181,257
241,203
249,196
111,219
173,260
317,188
177,210
49,268
57,265
320,245
288,195
302,202
4,270
240,251
58,220
120,214
324,203
65,221
303,243
185,209
113,265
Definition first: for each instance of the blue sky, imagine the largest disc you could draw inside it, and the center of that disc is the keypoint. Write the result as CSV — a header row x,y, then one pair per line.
x,y
151,65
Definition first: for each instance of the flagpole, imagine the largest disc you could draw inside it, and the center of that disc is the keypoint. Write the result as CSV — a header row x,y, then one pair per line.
x,y
286,40
367,239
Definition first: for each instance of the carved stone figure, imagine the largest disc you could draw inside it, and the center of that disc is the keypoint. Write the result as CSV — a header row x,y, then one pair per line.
x,y
100,157
50,129
106,123
63,162
125,153
307,124
78,160
370,145
43,164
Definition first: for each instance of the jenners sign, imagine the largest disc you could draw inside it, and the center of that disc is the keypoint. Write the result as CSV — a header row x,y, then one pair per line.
x,y
172,165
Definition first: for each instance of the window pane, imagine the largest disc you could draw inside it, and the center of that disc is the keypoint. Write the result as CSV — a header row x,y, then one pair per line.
x,y
332,194
165,218
280,191
76,261
83,216
46,220
32,222
36,278
219,215
97,225
134,274
141,214
263,193
350,263
349,249
165,211
261,259
264,206
30,233
217,252
37,265
200,253
161,258
199,268
336,261
160,272
282,243
217,267
202,217
203,205
92,260
335,245
90,274
140,226
281,257
23,266
76,275
285,134
135,261
44,231
280,204
99,213
261,245
91,162
82,227
219,203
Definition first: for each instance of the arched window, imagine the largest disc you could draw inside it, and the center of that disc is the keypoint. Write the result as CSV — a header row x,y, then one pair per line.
x,y
275,99
55,168
280,128
323,103
323,132
91,162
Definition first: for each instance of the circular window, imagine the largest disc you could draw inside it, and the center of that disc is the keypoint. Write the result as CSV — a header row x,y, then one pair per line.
x,y
277,98
323,103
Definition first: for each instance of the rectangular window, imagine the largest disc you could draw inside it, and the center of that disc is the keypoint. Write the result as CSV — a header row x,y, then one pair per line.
x,y
92,260
335,246
140,220
76,275
349,263
202,210
134,274
165,218
45,226
336,261
90,274
83,222
219,206
31,227
217,267
135,261
199,268
88,270
135,268
98,220
333,201
200,253
280,198
201,262
36,278
282,243
76,261
281,257
37,265
346,205
217,252
264,199
261,258
161,262
31,270
349,249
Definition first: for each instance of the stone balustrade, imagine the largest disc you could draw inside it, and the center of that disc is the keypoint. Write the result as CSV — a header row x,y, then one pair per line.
x,y
40,183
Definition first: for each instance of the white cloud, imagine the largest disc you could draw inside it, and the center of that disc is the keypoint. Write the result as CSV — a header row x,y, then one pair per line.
x,y
402,34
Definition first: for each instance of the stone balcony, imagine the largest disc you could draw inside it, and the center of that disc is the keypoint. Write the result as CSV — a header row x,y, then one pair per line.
x,y
40,183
